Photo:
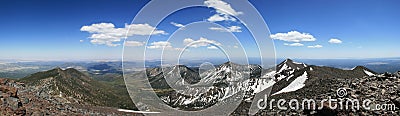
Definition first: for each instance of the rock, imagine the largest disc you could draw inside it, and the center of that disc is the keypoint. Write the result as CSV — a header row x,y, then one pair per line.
x,y
396,101
398,74
377,113
25,100
373,88
13,103
387,74
12,91
326,110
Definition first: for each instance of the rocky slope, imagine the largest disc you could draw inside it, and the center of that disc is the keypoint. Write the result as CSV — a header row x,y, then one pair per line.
x,y
291,80
300,81
60,92
70,92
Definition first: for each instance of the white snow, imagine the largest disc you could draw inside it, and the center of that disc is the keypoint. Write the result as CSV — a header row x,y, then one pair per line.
x,y
189,101
297,62
297,84
284,67
269,74
369,73
263,84
287,79
133,111
311,69
227,70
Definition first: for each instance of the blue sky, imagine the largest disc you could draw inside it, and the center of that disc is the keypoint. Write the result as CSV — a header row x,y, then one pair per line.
x,y
49,29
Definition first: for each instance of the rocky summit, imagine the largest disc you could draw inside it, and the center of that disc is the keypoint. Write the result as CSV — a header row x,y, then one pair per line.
x,y
58,92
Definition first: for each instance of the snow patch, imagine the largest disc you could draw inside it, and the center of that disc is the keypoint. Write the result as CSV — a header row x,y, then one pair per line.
x,y
133,111
297,84
284,67
369,73
297,62
262,84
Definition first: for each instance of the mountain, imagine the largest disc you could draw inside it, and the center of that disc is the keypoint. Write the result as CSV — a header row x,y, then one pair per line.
x,y
290,80
300,81
206,88
61,92
70,92
76,87
312,77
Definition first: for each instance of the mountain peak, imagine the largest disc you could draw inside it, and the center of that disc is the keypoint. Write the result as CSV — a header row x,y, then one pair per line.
x,y
359,67
288,60
289,64
364,69
229,62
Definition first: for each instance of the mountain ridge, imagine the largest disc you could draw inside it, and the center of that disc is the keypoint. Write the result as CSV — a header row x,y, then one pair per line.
x,y
290,80
76,87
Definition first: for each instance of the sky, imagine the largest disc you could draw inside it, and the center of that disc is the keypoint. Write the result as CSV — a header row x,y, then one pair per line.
x,y
96,29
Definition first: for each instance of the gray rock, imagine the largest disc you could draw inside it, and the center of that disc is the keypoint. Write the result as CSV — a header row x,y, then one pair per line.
x,y
396,101
25,100
373,88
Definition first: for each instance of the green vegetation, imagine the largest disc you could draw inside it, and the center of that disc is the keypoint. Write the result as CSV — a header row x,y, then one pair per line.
x,y
80,87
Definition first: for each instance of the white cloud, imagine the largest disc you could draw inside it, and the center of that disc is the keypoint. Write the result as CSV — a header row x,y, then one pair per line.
x,y
160,45
315,46
293,36
335,41
177,24
187,41
212,47
81,41
223,9
202,42
219,17
293,44
235,46
229,29
134,43
108,34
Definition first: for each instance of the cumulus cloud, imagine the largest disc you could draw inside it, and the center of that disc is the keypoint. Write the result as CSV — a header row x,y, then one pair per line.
x,y
81,41
212,47
293,36
160,45
134,43
108,34
293,44
202,42
219,17
229,29
315,46
335,41
223,9
177,25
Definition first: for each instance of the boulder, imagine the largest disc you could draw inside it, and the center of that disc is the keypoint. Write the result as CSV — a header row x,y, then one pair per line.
x,y
397,74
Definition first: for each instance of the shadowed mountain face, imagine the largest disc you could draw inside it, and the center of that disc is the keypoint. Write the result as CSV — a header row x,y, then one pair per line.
x,y
319,79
